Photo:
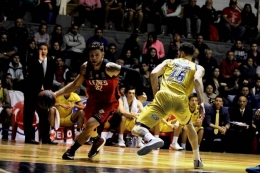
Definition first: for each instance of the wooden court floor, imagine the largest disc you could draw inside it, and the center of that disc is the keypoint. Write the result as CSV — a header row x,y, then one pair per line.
x,y
20,157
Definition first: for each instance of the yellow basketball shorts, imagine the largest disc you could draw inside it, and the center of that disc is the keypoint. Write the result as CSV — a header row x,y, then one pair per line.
x,y
165,103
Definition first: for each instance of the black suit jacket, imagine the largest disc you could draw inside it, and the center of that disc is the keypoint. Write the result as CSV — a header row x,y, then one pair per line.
x,y
36,79
235,115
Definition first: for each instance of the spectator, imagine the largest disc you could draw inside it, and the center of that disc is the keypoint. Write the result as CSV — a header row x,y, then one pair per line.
x,y
232,22
215,80
216,122
29,6
59,73
6,51
16,71
192,18
171,11
209,16
56,35
98,37
152,41
248,72
232,86
5,110
133,9
174,46
74,45
240,52
56,50
228,65
151,58
249,21
131,44
111,52
195,57
152,14
114,11
251,100
209,94
42,36
208,63
256,89
7,81
254,53
241,136
147,87
128,58
44,8
200,45
92,11
18,36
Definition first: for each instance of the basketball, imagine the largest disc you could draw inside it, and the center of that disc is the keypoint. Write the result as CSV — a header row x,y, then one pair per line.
x,y
46,99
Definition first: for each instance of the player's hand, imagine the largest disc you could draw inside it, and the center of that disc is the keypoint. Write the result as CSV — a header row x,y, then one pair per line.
x,y
199,122
40,55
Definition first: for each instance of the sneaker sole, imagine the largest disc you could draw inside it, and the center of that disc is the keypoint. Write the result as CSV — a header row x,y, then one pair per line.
x,y
66,157
148,148
97,150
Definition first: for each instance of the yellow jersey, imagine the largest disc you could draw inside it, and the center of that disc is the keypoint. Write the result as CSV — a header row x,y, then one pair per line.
x,y
73,99
195,114
178,76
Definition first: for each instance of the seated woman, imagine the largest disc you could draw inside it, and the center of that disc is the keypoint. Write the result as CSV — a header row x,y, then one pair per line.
x,y
209,94
42,36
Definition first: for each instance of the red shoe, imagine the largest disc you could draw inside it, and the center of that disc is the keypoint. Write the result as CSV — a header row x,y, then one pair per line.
x,y
96,147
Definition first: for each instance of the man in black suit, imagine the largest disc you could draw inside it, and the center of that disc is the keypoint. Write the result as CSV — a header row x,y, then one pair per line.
x,y
216,129
40,77
241,136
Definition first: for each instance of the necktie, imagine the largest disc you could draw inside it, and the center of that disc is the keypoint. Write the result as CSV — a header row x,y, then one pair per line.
x,y
44,67
216,122
241,112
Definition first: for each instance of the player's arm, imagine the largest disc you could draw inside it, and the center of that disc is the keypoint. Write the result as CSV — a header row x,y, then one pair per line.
x,y
79,105
75,84
199,87
140,105
157,72
112,69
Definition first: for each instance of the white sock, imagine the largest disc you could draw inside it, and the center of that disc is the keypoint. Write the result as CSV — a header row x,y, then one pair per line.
x,y
156,136
183,145
148,137
196,154
110,134
121,137
104,135
175,139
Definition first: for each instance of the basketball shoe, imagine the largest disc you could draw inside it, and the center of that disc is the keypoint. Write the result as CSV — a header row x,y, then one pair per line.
x,y
96,147
151,145
175,146
68,155
255,169
198,164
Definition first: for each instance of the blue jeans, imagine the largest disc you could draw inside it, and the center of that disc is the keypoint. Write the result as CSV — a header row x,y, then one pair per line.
x,y
235,33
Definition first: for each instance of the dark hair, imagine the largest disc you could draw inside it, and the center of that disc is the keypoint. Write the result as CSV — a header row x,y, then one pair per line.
x,y
219,96
111,44
96,46
42,44
244,9
209,83
173,6
232,2
98,28
187,48
154,36
127,88
40,26
199,34
192,95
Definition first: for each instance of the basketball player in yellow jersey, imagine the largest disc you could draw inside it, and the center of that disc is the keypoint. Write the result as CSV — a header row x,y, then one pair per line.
x,y
179,77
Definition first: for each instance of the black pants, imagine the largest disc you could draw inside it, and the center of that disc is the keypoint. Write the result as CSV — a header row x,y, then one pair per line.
x,y
173,24
30,106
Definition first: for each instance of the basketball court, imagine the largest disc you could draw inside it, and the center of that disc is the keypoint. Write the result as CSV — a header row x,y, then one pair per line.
x,y
20,157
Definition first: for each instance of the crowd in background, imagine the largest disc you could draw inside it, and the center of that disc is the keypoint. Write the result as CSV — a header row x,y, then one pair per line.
x,y
234,82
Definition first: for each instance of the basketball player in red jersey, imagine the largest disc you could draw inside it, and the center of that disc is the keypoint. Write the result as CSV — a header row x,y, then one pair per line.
x,y
101,79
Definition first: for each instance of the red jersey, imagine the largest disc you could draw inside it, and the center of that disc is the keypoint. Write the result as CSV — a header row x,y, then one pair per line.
x,y
100,87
